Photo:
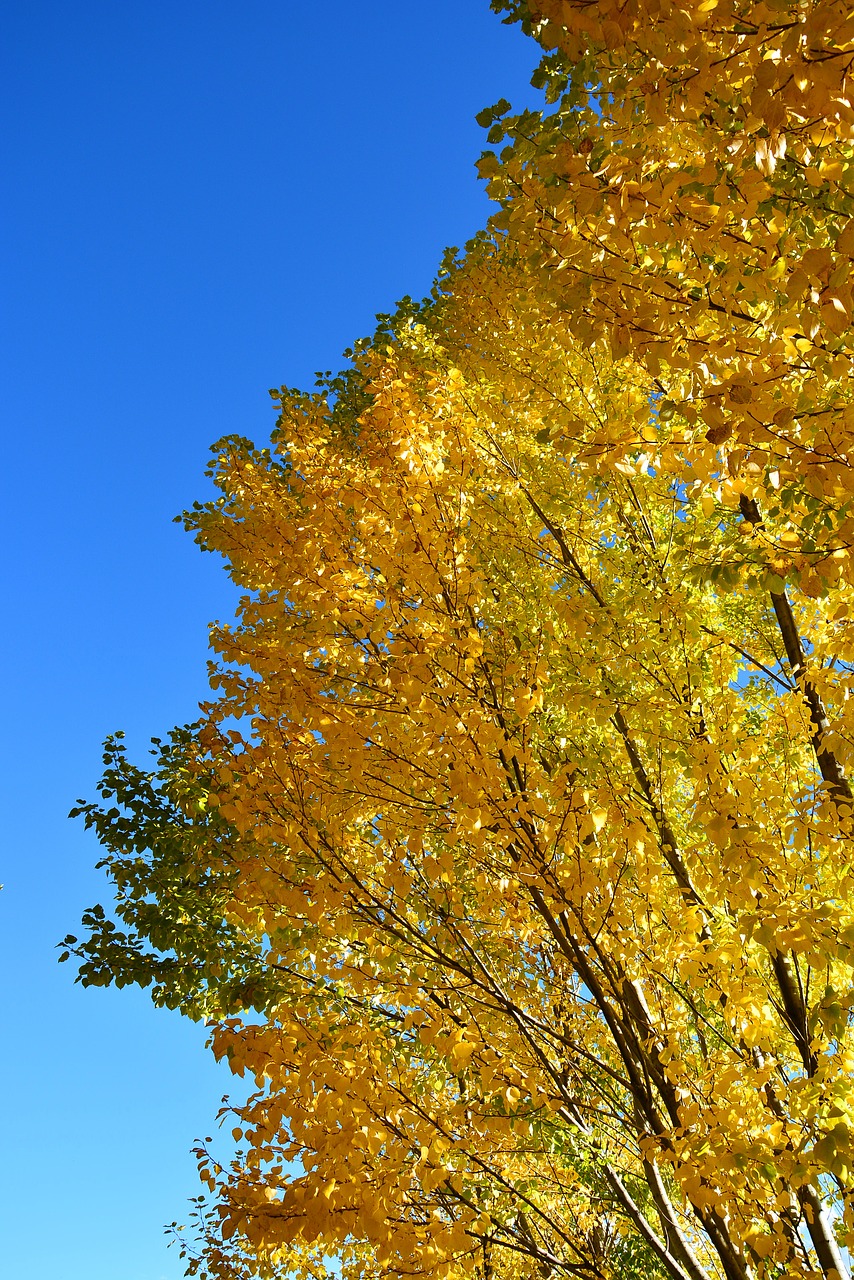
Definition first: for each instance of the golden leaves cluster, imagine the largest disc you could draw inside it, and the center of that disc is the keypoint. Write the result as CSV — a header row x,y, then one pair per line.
x,y
530,811
535,723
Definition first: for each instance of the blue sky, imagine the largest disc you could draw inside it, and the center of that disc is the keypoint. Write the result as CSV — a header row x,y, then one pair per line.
x,y
204,200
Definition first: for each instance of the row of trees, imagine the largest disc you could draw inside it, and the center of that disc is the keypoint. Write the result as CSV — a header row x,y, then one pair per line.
x,y
511,856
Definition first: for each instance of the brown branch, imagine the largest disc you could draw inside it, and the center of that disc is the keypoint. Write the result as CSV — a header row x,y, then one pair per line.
x,y
829,767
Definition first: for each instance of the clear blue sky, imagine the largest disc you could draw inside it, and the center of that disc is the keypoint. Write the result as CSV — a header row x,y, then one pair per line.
x,y
204,200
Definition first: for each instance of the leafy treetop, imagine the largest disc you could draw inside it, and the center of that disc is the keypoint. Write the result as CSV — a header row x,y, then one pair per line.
x,y
520,810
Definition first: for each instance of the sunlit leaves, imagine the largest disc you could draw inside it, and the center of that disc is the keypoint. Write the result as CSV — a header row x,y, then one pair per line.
x,y
520,809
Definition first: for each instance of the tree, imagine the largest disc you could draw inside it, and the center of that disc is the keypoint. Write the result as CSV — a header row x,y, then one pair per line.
x,y
511,856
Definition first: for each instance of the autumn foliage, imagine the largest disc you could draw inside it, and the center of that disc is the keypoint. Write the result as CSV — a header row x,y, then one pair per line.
x,y
511,856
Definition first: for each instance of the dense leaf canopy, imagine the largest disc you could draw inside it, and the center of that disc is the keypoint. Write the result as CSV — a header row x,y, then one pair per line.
x,y
511,856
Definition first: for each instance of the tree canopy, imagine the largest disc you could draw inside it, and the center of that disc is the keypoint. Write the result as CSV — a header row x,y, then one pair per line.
x,y
511,857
